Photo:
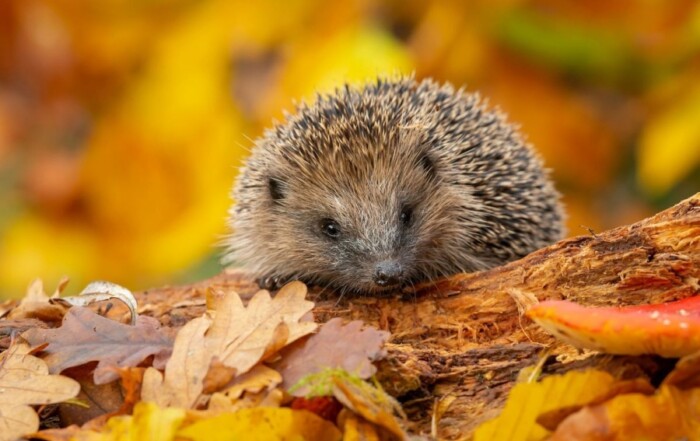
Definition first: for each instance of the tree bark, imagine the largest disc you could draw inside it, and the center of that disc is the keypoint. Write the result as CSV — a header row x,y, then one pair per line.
x,y
464,338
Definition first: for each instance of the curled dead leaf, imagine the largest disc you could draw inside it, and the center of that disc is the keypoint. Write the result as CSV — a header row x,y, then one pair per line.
x,y
99,291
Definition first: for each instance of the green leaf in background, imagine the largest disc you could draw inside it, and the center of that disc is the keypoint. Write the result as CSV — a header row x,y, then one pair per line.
x,y
590,53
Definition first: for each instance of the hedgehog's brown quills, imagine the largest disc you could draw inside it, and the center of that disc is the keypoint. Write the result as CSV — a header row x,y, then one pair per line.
x,y
375,188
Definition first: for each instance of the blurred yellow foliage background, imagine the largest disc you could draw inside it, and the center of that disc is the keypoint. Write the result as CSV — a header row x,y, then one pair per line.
x,y
123,122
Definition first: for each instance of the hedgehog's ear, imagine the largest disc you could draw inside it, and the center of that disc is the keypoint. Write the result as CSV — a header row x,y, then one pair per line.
x,y
427,164
276,188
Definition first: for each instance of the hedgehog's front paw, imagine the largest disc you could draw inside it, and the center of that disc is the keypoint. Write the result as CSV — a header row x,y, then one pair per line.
x,y
272,282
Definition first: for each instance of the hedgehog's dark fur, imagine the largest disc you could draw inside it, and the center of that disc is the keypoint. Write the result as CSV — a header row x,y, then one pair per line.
x,y
473,194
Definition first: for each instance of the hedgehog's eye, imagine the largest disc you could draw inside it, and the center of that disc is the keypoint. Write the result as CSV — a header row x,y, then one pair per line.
x,y
406,215
427,164
330,228
275,187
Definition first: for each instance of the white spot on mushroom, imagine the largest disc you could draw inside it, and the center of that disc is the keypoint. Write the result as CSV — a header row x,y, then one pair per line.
x,y
684,325
666,322
654,314
683,312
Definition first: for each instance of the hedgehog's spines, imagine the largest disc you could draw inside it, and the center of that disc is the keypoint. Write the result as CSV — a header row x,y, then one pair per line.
x,y
481,199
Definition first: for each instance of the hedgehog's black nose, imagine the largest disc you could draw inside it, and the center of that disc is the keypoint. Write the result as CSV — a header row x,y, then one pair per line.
x,y
388,273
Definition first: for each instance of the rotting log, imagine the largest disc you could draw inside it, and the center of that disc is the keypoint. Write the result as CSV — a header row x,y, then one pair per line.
x,y
464,337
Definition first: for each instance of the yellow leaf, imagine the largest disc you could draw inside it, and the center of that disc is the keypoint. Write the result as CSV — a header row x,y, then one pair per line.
x,y
670,414
357,429
372,404
148,423
526,401
262,424
669,148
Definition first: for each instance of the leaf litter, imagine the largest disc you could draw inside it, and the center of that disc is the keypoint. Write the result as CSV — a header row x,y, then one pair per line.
x,y
235,366
220,374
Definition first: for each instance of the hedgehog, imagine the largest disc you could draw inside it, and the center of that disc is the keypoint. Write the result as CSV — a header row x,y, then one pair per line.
x,y
379,187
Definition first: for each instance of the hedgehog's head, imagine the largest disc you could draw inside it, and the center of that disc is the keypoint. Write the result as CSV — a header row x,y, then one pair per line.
x,y
353,203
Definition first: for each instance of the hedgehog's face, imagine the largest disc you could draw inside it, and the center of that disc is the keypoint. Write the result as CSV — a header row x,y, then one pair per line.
x,y
367,228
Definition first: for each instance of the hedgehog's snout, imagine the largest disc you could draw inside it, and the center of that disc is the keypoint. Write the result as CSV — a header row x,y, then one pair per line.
x,y
388,273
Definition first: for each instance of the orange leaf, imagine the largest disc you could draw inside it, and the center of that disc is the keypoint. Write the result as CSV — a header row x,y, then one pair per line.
x,y
669,414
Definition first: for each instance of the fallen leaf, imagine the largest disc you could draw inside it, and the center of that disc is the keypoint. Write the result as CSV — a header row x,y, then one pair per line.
x,y
256,380
550,420
148,423
98,399
670,414
240,336
16,421
220,402
131,381
183,381
255,387
25,380
103,401
371,403
352,347
11,328
100,291
218,377
357,429
527,401
262,424
670,329
85,336
37,304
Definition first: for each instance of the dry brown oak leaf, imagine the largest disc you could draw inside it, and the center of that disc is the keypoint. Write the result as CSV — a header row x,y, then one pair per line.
x,y
25,380
85,336
238,336
352,347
